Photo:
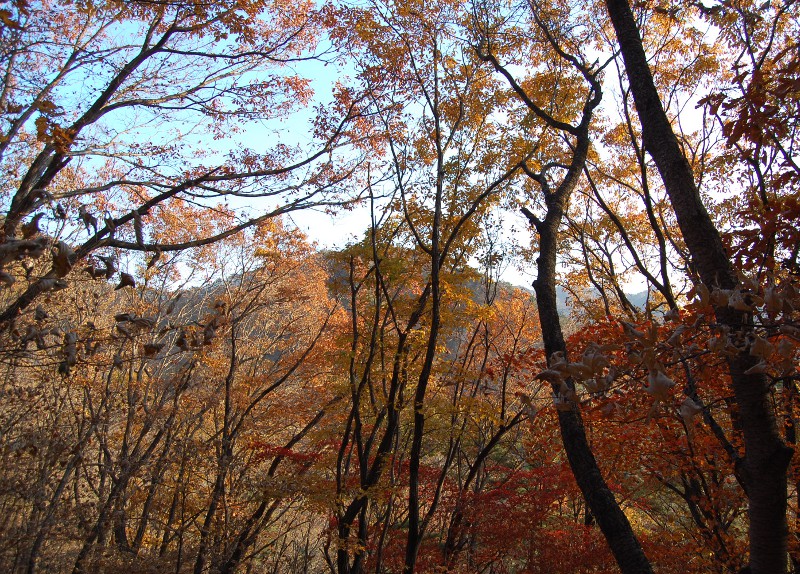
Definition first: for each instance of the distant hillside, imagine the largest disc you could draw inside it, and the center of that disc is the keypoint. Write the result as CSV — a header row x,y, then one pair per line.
x,y
638,299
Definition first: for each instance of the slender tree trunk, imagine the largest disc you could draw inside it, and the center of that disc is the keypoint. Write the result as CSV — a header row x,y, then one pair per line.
x,y
103,517
173,507
600,500
610,518
217,494
44,529
766,456
453,540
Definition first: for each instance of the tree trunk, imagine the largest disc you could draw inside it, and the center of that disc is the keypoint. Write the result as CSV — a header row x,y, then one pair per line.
x,y
766,456
600,500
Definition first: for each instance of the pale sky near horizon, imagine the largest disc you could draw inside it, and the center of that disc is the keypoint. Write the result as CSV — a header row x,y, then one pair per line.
x,y
337,231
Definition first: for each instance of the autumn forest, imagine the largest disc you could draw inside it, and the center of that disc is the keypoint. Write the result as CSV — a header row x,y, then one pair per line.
x,y
190,382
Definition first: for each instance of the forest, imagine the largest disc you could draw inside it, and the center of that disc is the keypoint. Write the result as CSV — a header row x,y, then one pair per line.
x,y
191,383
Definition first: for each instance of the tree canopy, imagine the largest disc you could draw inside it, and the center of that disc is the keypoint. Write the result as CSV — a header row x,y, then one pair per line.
x,y
190,384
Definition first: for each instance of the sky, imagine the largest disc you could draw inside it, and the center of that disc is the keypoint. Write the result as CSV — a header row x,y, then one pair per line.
x,y
327,231
335,231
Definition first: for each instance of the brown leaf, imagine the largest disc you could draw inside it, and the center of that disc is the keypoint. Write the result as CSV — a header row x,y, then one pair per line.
x,y
125,280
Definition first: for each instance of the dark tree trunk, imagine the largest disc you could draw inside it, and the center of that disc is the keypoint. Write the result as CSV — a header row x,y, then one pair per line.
x,y
600,500
766,456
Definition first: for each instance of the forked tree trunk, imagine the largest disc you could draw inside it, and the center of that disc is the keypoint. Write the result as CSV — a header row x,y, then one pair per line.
x,y
613,523
766,456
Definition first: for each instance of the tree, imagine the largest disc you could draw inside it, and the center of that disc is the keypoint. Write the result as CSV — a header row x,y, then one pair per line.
x,y
164,406
766,456
436,129
109,111
570,118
